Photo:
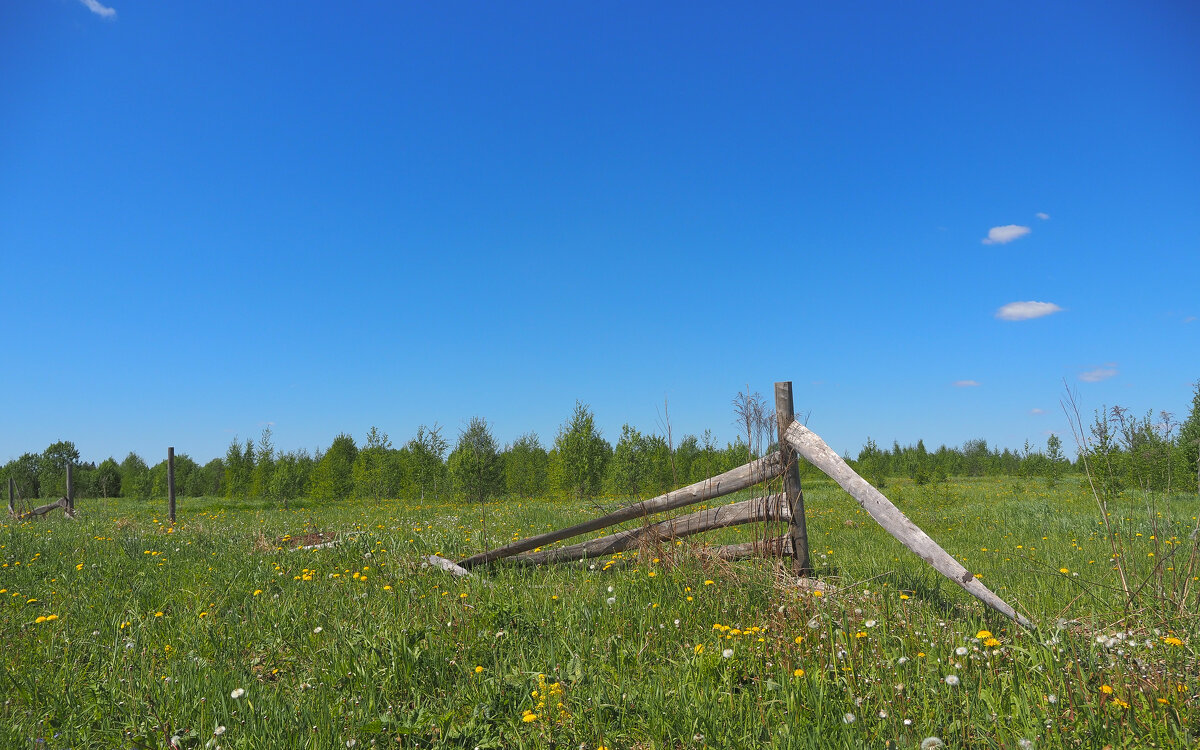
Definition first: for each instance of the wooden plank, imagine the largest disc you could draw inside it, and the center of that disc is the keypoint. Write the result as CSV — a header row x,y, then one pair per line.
x,y
785,414
774,547
171,484
44,509
770,508
767,467
814,449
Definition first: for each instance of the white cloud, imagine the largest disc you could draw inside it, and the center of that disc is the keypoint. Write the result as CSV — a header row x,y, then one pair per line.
x,y
1042,215
100,10
1036,410
1027,310
966,383
1096,374
1005,234
1190,319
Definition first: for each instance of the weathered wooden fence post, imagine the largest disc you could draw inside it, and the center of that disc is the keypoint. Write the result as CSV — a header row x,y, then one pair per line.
x,y
70,490
785,414
171,483
12,511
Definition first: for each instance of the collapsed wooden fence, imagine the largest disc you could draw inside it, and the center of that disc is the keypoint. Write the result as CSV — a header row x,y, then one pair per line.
x,y
794,440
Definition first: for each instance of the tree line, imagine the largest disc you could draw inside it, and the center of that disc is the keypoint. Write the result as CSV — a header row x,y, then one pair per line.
x,y
1147,452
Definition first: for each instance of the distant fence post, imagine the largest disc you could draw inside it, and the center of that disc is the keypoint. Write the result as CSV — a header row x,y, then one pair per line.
x,y
70,490
785,414
12,511
171,483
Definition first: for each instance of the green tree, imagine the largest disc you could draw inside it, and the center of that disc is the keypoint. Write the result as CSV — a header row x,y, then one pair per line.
x,y
333,476
427,450
239,468
1055,460
108,478
374,469
289,477
135,477
213,479
525,467
474,464
1189,441
629,469
52,467
24,473
264,464
686,456
582,454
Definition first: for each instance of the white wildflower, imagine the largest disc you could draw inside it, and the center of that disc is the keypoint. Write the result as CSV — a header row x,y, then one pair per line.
x,y
849,718
952,680
237,693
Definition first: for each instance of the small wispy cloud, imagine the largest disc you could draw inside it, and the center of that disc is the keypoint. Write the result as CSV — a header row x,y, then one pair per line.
x,y
1005,234
1036,410
1027,310
100,10
1190,319
966,383
1096,374
1042,215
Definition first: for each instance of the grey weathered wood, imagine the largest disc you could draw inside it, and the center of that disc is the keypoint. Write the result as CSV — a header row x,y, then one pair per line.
x,y
774,547
814,449
767,467
770,508
785,414
70,489
12,510
42,510
171,484
448,565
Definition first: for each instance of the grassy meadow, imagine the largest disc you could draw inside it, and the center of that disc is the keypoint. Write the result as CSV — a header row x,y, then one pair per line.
x,y
119,631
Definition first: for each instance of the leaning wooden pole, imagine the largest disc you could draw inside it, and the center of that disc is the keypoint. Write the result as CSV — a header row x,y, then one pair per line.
x,y
755,510
767,467
70,490
815,450
12,510
785,414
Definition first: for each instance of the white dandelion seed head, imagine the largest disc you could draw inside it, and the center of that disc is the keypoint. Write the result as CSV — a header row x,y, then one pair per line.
x,y
318,629
220,730
869,623
961,650
952,680
849,718
611,600
610,589
1025,743
883,714
908,722
902,660
727,653
237,693
814,623
1052,698
929,743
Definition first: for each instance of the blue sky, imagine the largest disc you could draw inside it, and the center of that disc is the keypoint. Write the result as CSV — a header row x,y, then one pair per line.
x,y
328,217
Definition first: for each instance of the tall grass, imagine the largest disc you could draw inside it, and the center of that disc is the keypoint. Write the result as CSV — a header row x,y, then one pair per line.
x,y
147,632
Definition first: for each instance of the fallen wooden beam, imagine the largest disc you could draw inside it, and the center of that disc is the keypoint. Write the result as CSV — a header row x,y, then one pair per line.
x,y
779,546
767,467
42,510
770,508
892,519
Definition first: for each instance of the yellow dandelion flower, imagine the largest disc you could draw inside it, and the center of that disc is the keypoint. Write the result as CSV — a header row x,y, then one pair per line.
x,y
1064,571
1120,703
797,672
158,614
257,592
1106,689
699,649
818,593
478,670
903,597
1172,641
708,583
991,642
983,634
799,639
